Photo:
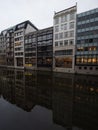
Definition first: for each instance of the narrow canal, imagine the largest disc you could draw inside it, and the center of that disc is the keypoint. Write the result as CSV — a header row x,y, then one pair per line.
x,y
31,100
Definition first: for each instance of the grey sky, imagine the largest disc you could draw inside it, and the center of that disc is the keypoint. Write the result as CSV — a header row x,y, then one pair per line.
x,y
39,12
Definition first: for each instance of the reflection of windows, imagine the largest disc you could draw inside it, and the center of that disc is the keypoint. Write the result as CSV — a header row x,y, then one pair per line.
x,y
39,38
65,62
26,41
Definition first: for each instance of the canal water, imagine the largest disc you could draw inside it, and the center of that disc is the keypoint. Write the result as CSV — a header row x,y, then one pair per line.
x,y
31,100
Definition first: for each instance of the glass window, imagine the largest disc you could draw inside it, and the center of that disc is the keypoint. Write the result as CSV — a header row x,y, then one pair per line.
x,y
62,27
56,28
64,62
72,16
56,43
65,34
65,26
65,42
60,35
56,20
71,33
26,41
71,25
61,43
71,42
63,18
56,36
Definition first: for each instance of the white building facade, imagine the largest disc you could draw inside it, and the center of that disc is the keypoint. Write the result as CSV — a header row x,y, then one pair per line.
x,y
64,40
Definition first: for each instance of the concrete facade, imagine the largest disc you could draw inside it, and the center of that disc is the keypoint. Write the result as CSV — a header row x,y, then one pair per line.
x,y
64,40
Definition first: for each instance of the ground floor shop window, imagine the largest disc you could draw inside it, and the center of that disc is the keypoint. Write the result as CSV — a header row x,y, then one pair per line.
x,y
63,62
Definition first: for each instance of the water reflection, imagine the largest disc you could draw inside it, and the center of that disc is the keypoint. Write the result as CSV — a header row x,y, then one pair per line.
x,y
71,100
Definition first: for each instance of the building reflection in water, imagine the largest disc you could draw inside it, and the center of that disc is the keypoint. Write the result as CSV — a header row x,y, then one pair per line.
x,y
73,99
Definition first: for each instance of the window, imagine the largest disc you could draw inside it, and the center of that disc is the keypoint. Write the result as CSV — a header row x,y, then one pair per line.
x,y
61,43
65,26
66,35
30,40
56,43
63,62
63,18
26,41
39,38
71,42
71,33
96,68
56,20
85,68
62,27
72,16
90,40
65,42
56,36
56,28
90,68
71,25
60,35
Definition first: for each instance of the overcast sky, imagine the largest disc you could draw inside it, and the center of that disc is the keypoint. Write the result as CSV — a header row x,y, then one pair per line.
x,y
39,12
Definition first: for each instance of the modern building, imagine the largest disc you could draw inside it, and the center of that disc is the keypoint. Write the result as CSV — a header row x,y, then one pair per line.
x,y
2,48
10,46
87,42
30,50
64,40
20,31
45,48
